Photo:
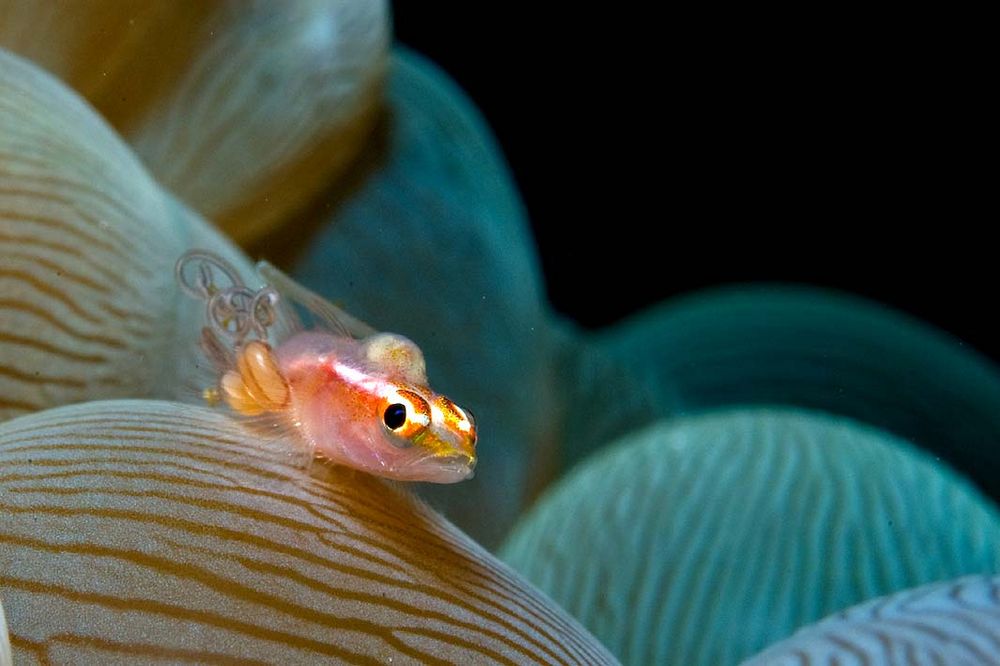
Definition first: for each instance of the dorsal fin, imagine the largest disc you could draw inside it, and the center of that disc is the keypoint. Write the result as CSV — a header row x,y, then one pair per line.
x,y
326,313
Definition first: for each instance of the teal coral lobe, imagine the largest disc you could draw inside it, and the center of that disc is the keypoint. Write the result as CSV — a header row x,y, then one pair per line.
x,y
703,539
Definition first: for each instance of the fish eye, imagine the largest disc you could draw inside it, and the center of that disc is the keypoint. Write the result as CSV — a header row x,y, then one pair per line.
x,y
406,418
394,416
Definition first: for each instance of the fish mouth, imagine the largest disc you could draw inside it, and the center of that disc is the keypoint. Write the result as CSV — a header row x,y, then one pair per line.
x,y
457,463
457,460
449,468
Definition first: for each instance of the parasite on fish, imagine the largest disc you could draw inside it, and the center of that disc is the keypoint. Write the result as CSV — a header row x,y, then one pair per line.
x,y
339,389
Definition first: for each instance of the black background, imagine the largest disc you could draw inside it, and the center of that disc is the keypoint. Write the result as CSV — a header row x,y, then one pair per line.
x,y
662,154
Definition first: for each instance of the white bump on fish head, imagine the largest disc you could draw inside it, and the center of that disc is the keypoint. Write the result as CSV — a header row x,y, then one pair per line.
x,y
397,355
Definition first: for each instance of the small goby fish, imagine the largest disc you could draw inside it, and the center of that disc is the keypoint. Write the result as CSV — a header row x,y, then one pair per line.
x,y
354,396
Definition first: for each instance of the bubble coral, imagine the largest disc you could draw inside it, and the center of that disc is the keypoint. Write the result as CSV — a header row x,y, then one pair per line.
x,y
161,543
954,622
708,537
140,529
293,127
243,110
5,654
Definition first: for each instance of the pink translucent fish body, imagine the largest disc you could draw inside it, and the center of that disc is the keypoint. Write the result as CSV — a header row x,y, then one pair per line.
x,y
350,395
357,405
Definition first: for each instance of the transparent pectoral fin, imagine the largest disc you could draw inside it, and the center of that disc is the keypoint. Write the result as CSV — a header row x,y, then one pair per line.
x,y
322,311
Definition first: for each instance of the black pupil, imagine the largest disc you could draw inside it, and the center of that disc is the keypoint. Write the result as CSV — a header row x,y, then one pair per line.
x,y
395,416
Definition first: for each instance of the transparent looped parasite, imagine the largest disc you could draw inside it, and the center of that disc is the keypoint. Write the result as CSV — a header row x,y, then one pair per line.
x,y
231,308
